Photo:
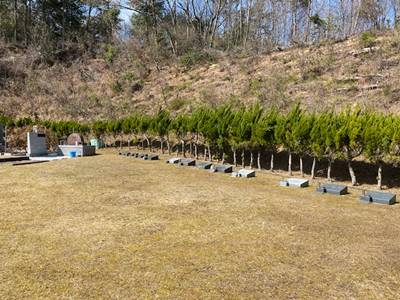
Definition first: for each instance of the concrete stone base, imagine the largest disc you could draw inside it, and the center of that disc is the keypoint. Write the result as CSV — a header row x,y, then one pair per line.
x,y
81,150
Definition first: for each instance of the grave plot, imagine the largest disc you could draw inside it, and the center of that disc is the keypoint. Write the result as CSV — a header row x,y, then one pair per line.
x,y
174,160
36,143
188,162
378,197
331,188
244,173
204,165
76,144
294,182
151,157
222,169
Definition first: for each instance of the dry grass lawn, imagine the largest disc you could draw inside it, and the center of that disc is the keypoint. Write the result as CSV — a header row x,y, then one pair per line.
x,y
110,227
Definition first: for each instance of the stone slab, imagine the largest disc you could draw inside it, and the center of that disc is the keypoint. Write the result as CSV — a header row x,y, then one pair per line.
x,y
378,197
297,182
174,160
204,165
188,162
332,188
151,157
222,168
246,173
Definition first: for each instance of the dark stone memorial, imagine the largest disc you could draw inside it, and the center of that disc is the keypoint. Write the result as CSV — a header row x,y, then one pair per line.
x,y
378,197
2,138
331,188
203,165
188,162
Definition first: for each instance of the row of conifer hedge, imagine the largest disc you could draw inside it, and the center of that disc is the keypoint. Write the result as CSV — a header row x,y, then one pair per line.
x,y
228,131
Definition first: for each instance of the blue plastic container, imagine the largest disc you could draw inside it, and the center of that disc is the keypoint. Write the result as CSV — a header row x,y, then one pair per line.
x,y
72,154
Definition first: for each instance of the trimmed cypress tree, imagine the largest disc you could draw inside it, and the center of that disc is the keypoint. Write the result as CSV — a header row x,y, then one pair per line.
x,y
258,128
350,137
161,126
322,142
378,139
301,137
234,133
285,132
180,128
223,118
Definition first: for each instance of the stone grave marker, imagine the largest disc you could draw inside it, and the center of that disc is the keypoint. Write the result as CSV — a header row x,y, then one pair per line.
x,y
36,143
174,160
2,138
188,162
244,173
331,188
295,182
378,197
151,157
204,165
222,169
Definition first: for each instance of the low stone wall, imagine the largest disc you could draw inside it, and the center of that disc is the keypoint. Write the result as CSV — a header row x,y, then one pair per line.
x,y
81,150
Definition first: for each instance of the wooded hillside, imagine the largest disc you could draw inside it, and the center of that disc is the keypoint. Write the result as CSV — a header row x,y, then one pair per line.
x,y
67,59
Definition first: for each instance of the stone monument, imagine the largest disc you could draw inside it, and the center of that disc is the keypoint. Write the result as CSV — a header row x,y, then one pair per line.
x,y
75,143
36,143
2,138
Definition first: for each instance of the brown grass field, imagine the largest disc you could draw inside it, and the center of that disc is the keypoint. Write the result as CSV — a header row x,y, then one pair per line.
x,y
110,227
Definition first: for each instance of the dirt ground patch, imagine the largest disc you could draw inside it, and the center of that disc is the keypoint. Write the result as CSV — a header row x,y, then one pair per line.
x,y
117,227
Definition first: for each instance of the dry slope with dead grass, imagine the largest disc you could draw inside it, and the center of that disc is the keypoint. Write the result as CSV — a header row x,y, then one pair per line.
x,y
325,76
116,227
